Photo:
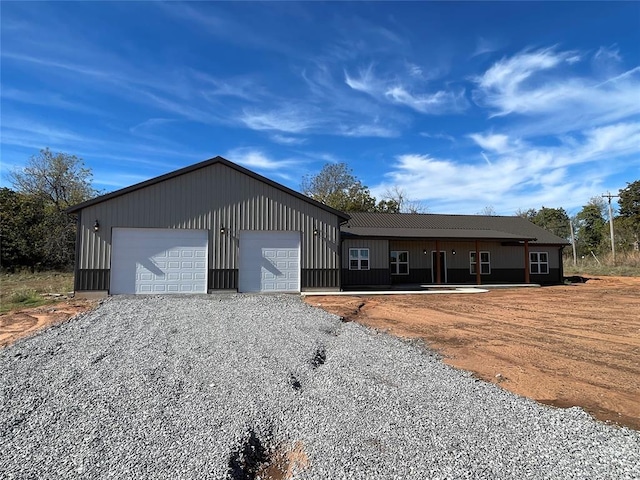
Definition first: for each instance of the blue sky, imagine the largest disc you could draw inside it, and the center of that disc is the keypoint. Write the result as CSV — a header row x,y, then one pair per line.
x,y
462,105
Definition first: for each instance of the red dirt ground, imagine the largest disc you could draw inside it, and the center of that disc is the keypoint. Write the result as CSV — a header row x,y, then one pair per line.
x,y
570,345
22,323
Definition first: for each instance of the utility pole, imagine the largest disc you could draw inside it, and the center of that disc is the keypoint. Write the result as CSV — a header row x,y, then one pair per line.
x,y
613,244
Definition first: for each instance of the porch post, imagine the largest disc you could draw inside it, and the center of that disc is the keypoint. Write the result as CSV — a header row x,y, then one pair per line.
x,y
526,261
438,267
478,281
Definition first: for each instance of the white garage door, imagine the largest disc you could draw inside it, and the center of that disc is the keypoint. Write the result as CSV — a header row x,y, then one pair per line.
x,y
269,262
155,260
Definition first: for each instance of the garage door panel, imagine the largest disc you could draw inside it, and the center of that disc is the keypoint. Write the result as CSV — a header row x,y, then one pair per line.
x,y
150,261
268,261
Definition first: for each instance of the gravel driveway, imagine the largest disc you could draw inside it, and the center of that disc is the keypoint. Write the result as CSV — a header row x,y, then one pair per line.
x,y
209,386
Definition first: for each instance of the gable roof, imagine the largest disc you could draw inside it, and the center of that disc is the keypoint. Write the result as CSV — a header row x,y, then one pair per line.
x,y
428,225
212,161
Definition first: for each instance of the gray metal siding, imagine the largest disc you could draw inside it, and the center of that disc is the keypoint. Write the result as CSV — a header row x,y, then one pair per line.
x,y
210,198
378,252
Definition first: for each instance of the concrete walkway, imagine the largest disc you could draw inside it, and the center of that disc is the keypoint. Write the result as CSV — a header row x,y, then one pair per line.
x,y
425,290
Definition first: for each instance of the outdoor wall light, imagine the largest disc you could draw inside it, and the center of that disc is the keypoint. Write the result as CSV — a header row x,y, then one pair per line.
x,y
453,251
222,231
424,251
315,231
96,226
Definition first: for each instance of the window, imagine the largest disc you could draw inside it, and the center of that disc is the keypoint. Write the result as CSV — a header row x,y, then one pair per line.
x,y
399,263
358,259
539,262
485,263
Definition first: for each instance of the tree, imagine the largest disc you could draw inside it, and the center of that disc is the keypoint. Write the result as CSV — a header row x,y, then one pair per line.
x,y
529,214
626,238
337,187
591,227
387,206
488,211
629,212
554,220
56,181
59,178
21,229
397,196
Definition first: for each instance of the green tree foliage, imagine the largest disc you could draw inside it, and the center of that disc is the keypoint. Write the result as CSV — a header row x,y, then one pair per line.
x,y
44,188
629,212
337,187
528,214
59,179
624,235
387,206
22,221
591,227
554,220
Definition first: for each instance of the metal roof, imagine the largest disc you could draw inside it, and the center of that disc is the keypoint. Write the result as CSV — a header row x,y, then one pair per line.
x,y
428,225
212,161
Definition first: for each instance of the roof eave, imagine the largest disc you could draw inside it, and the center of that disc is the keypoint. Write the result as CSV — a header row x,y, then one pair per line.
x,y
444,237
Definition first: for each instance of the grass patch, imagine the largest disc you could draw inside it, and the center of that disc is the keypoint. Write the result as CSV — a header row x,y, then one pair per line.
x,y
25,289
627,264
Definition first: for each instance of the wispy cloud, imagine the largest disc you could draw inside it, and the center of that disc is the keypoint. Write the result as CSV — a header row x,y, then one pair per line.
x,y
247,31
484,46
365,81
288,120
325,106
541,84
369,130
495,142
47,99
397,92
288,140
501,86
438,136
31,133
256,159
439,102
241,87
518,174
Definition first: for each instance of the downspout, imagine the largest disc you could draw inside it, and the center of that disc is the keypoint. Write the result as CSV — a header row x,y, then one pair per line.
x,y
561,279
76,267
339,233
526,262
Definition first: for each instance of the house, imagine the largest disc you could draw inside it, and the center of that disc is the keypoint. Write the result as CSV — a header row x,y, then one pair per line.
x,y
387,248
217,226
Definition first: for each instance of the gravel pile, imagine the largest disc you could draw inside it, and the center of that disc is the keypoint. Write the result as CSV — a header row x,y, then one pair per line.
x,y
213,386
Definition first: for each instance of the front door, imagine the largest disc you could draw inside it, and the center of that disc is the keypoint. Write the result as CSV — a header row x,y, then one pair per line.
x,y
434,266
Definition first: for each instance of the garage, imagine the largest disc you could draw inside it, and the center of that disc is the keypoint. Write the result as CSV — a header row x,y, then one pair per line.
x,y
155,260
203,228
269,261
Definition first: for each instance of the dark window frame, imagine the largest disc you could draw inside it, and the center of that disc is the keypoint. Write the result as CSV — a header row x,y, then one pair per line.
x,y
395,265
359,259
537,264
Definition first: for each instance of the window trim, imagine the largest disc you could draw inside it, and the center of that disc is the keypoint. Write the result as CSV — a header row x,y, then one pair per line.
x,y
359,258
472,263
538,262
397,263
